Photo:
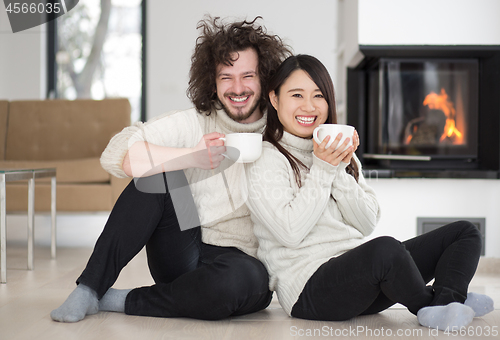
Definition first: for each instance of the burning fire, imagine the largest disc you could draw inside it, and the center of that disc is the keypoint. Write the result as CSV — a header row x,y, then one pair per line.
x,y
442,102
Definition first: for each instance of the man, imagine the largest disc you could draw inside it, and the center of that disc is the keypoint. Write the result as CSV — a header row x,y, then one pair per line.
x,y
208,272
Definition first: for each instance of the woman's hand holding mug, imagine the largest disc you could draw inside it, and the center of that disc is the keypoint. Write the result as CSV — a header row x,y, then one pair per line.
x,y
340,149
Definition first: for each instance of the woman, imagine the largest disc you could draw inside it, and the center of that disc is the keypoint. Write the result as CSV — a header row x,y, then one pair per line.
x,y
311,209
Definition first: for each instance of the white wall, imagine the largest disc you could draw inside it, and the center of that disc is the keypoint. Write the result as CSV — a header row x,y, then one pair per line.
x,y
22,61
423,22
73,229
429,22
403,200
310,29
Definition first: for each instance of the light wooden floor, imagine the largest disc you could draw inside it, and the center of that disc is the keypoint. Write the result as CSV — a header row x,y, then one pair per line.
x,y
29,296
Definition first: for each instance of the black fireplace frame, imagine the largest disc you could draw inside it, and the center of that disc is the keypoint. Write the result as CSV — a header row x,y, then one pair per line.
x,y
487,164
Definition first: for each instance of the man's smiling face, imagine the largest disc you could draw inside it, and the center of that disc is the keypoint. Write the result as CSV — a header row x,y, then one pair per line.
x,y
238,87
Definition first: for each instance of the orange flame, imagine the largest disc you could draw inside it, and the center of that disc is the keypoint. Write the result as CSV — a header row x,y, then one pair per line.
x,y
410,137
442,102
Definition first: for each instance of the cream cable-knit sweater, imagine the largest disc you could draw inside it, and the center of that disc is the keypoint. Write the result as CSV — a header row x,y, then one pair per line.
x,y
299,229
221,226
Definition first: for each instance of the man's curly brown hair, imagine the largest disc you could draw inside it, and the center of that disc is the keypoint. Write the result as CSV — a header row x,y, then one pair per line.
x,y
214,47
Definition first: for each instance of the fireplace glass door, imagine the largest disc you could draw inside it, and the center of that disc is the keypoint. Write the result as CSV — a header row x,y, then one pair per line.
x,y
423,108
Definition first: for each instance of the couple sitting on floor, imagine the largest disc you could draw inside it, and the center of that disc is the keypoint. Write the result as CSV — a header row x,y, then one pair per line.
x,y
299,232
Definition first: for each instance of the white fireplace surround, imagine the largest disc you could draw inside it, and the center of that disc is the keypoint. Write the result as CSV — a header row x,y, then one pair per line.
x,y
423,22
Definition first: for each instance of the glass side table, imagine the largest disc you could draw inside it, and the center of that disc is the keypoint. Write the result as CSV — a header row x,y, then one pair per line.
x,y
30,175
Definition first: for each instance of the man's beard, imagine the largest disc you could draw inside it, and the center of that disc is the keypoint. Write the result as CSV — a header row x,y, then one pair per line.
x,y
242,117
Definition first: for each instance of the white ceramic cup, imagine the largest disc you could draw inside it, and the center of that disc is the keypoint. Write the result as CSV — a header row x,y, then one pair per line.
x,y
249,146
333,130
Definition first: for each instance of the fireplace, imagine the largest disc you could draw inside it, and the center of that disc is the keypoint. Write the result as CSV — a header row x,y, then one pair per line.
x,y
427,111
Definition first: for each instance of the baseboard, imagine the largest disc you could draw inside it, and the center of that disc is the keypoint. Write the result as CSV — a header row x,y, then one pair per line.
x,y
488,265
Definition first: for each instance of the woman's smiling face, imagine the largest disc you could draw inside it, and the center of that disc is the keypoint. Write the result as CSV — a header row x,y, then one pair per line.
x,y
300,104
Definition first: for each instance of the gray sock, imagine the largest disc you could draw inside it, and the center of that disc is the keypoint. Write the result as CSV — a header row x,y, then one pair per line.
x,y
481,304
452,316
114,300
82,301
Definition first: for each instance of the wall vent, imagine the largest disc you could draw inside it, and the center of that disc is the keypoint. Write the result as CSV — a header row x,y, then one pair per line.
x,y
426,224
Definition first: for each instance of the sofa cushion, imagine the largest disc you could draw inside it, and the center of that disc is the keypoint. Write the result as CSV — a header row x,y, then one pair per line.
x,y
4,111
63,129
86,170
69,197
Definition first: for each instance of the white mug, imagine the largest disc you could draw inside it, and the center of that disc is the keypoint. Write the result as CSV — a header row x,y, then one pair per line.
x,y
248,145
333,130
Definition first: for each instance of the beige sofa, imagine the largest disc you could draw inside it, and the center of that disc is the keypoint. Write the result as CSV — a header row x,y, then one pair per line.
x,y
69,136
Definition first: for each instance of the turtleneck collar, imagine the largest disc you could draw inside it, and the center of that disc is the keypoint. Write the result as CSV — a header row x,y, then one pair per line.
x,y
233,126
297,143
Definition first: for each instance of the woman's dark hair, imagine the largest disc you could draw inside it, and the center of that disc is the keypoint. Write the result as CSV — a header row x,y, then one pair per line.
x,y
215,46
319,74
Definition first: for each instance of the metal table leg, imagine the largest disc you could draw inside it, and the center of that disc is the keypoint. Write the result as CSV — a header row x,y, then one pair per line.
x,y
30,175
53,240
3,232
31,222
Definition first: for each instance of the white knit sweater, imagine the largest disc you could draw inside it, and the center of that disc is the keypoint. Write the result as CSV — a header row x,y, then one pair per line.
x,y
221,226
299,229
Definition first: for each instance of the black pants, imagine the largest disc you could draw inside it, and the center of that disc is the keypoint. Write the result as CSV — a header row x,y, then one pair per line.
x,y
192,279
384,271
